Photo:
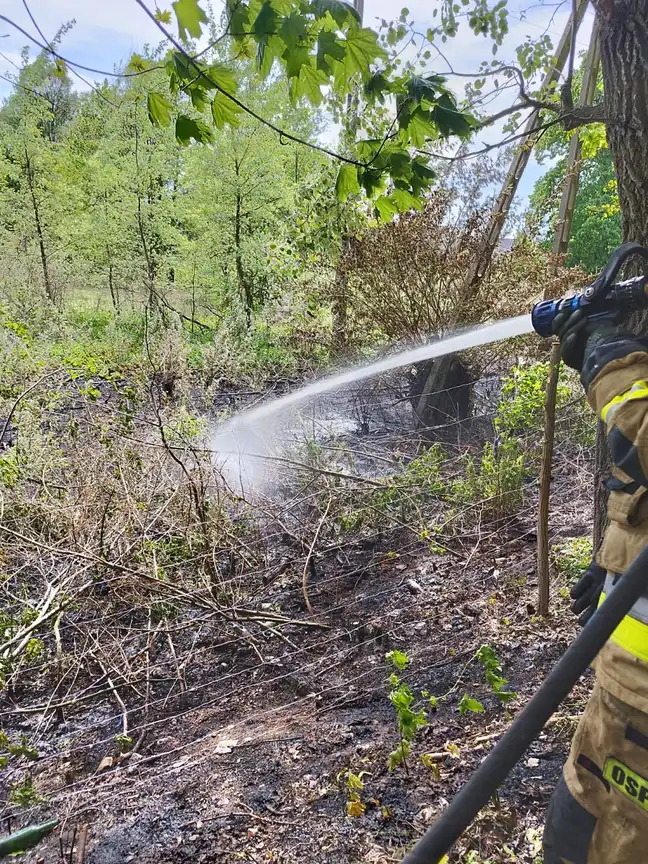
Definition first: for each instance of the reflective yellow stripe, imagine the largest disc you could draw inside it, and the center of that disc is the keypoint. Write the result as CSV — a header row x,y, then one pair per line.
x,y
639,390
627,781
632,635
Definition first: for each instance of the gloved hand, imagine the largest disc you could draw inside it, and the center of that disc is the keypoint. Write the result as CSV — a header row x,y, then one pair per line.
x,y
580,335
587,592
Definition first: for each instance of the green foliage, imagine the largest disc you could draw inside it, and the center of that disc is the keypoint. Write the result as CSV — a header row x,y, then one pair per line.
x,y
26,794
572,557
354,785
521,405
405,494
190,18
492,667
15,748
398,659
470,705
322,45
596,224
124,743
409,717
495,483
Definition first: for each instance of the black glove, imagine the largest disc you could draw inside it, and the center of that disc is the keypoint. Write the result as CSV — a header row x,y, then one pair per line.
x,y
580,335
587,592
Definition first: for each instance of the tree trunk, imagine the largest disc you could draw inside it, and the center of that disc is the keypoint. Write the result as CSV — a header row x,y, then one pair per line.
x,y
244,284
624,58
114,296
441,392
340,304
149,259
49,288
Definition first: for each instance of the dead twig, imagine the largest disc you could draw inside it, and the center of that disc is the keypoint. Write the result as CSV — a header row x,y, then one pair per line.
x,y
81,845
310,554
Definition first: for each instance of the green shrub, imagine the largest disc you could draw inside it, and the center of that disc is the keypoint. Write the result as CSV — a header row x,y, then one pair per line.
x,y
497,482
572,557
521,407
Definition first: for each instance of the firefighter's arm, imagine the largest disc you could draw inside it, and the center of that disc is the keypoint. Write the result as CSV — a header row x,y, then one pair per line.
x,y
615,377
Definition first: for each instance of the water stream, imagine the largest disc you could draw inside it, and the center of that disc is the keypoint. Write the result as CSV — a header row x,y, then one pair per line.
x,y
248,434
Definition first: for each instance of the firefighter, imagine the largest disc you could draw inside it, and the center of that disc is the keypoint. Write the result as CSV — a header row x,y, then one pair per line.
x,y
598,813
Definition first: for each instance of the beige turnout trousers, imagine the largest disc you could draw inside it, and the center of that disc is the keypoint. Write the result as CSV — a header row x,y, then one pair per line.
x,y
599,811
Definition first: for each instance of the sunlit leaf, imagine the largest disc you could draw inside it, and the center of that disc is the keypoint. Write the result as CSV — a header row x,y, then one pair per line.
x,y
362,49
283,7
417,126
60,69
136,64
309,84
397,658
190,18
404,200
341,12
163,16
225,112
187,128
386,209
469,704
159,109
223,76
347,184
328,46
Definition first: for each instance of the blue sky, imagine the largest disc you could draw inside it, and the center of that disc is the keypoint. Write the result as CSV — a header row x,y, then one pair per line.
x,y
109,31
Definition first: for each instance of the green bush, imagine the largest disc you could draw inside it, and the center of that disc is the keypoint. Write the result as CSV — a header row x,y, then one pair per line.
x,y
572,557
405,493
521,407
497,482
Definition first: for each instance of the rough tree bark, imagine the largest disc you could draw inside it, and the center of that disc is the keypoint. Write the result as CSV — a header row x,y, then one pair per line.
x,y
624,59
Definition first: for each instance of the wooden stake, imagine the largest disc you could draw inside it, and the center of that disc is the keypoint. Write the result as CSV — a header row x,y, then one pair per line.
x,y
560,245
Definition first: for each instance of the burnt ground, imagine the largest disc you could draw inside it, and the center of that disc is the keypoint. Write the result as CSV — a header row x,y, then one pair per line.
x,y
240,752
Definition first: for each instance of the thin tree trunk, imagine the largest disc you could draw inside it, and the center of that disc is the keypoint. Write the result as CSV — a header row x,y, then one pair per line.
x,y
624,58
520,160
560,246
193,295
151,268
243,282
340,305
49,288
114,296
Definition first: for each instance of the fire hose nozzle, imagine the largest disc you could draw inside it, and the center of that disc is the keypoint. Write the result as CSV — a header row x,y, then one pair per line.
x,y
603,297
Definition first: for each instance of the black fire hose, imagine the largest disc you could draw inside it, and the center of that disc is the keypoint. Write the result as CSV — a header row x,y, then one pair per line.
x,y
442,835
